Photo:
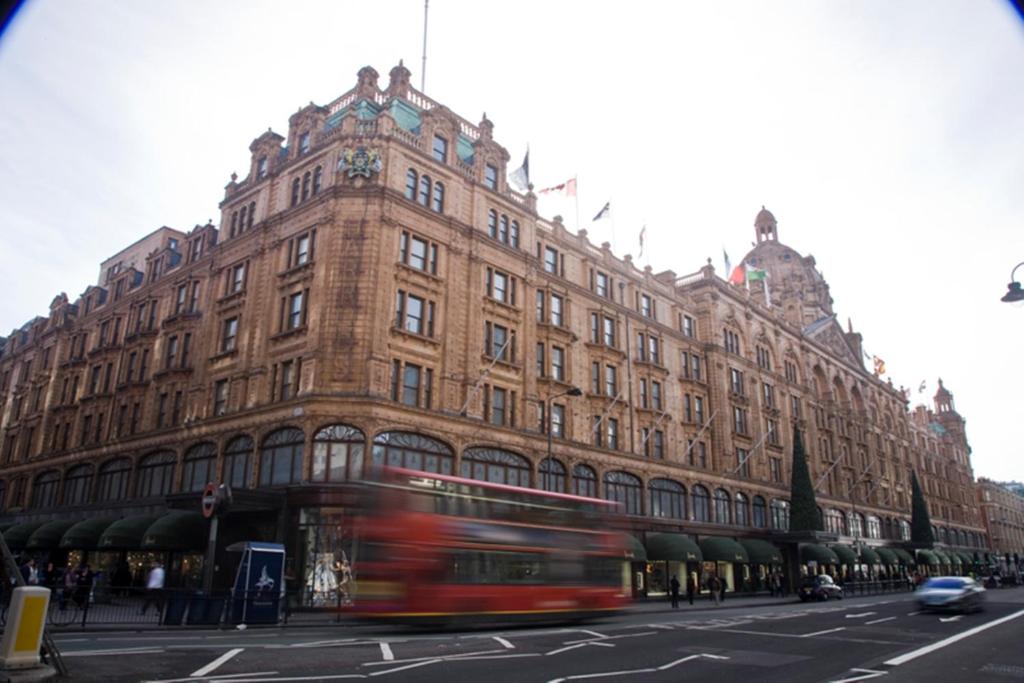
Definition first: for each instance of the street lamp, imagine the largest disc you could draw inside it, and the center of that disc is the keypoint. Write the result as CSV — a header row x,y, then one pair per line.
x,y
1014,294
571,391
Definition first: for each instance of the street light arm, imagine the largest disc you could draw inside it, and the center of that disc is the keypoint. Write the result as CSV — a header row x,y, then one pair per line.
x,y
1014,293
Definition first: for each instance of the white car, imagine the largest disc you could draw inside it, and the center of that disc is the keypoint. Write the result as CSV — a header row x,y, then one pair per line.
x,y
954,593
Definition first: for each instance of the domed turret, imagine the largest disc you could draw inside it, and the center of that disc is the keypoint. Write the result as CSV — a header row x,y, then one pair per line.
x,y
767,226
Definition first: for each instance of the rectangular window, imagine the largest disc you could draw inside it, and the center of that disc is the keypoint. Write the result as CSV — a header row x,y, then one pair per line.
x,y
739,420
418,253
186,347
732,342
641,347
558,421
743,462
658,445
501,287
172,352
229,336
608,334
794,406
295,310
686,325
411,379
694,367
499,406
193,300
304,143
498,342
643,394
602,285
220,397
261,168
612,433
440,149
656,395
595,378
288,380
551,260
646,306
698,410
541,362
654,349
595,328
735,381
180,298
540,306
775,467
611,381
178,409
491,177
557,307
161,410
687,408
237,281
558,363
772,427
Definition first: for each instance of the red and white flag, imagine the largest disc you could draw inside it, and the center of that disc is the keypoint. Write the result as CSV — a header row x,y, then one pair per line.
x,y
568,187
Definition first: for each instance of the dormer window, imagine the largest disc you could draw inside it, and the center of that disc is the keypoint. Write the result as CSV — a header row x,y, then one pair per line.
x,y
304,143
172,244
441,149
261,168
491,177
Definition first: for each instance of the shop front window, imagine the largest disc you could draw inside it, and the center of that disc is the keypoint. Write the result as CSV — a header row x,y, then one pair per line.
x,y
338,453
329,556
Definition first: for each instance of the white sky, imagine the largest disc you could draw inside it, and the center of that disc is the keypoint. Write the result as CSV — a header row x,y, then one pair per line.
x,y
886,137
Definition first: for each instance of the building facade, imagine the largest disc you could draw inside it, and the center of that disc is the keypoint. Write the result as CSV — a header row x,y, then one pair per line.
x,y
375,293
1002,510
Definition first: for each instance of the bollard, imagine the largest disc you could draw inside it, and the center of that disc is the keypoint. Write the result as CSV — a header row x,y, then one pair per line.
x,y
26,617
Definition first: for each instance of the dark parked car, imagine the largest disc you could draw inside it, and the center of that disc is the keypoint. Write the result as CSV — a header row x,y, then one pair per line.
x,y
954,593
820,587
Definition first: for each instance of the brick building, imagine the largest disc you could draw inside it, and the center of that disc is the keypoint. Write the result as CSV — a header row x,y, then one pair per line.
x,y
1002,510
376,293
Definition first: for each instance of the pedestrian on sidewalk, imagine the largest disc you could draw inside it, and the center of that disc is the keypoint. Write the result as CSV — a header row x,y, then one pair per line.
x,y
714,587
691,586
674,591
723,585
154,588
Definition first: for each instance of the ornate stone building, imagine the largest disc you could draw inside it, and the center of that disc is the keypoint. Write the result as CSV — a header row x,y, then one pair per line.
x,y
1003,512
375,293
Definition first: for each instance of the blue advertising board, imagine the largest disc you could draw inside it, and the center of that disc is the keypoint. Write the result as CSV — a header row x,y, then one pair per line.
x,y
258,593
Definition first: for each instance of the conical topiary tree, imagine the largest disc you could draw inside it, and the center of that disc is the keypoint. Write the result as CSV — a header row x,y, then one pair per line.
x,y
920,522
803,514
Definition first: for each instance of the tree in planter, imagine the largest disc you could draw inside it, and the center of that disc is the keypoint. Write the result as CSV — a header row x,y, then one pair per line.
x,y
803,506
920,522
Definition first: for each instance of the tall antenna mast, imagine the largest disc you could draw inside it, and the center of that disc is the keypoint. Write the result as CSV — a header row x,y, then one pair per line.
x,y
423,69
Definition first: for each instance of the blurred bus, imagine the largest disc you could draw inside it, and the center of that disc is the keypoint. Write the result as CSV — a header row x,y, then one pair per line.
x,y
435,549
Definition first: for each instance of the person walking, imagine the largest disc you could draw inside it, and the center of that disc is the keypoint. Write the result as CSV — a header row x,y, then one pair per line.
x,y
691,587
30,572
83,584
155,588
68,581
674,591
714,587
723,585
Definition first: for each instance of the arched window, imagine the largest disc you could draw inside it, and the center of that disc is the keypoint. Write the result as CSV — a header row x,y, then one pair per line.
x,y
156,474
742,514
77,483
296,185
438,204
874,527
281,457
318,173
722,506
503,228
856,525
496,466
238,462
413,452
513,234
112,480
668,499
338,453
904,530
835,521
584,481
624,488
305,185
252,214
701,504
44,490
492,224
780,514
425,186
552,475
242,217
199,467
760,513
411,181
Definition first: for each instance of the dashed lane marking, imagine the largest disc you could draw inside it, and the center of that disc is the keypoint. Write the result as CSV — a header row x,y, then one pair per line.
x,y
864,674
862,614
507,645
903,659
215,664
386,653
221,677
631,672
407,666
879,621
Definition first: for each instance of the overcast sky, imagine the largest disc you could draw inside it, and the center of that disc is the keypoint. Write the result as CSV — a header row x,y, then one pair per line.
x,y
886,138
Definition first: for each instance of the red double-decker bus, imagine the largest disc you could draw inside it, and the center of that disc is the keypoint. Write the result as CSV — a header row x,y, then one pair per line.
x,y
435,548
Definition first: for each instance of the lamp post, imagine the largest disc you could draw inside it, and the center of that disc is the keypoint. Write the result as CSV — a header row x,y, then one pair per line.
x,y
571,391
1014,293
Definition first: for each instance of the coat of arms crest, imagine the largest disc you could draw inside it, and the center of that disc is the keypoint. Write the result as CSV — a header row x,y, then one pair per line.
x,y
359,162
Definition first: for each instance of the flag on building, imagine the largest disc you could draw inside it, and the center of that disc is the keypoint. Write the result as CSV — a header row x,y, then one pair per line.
x,y
728,263
568,187
643,232
920,389
521,176
755,274
738,275
605,212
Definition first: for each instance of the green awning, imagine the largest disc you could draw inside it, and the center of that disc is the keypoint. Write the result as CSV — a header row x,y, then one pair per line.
x,y
126,534
954,559
813,552
47,537
966,557
634,548
941,556
719,549
17,536
927,557
176,531
845,554
672,548
888,556
904,557
86,534
869,556
761,552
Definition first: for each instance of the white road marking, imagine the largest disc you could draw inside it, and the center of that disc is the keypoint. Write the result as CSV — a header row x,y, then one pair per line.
x,y
910,614
407,666
868,673
593,633
386,653
507,645
821,633
666,627
199,673
858,616
285,679
956,618
624,635
663,667
903,659
444,657
879,621
221,677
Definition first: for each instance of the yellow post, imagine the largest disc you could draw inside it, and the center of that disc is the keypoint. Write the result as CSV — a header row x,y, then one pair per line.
x,y
23,634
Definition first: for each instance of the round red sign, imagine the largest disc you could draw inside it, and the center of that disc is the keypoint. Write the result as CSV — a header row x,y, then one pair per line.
x,y
209,500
